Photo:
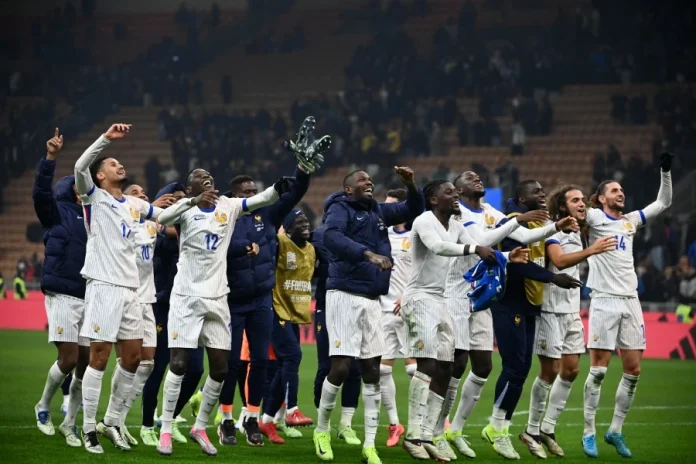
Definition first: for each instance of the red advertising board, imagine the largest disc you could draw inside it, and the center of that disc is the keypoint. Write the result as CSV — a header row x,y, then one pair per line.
x,y
667,338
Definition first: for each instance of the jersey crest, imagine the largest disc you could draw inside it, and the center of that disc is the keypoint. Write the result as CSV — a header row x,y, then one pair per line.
x,y
291,261
406,244
221,217
490,221
135,214
151,230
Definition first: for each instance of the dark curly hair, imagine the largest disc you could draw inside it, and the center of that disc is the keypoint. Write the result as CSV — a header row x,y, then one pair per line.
x,y
430,190
557,205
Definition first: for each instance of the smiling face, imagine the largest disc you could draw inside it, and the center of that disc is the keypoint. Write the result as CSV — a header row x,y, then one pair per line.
x,y
445,200
199,181
533,197
470,186
111,172
612,197
299,231
575,204
137,192
359,186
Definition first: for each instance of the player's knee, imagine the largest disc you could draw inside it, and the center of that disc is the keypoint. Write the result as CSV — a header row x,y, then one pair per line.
x,y
218,372
482,369
67,360
570,373
177,365
632,369
370,374
459,368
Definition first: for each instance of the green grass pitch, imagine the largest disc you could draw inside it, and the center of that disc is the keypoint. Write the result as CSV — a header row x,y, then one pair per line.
x,y
659,428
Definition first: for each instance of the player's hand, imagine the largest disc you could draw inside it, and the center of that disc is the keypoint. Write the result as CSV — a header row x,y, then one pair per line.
x,y
407,175
666,161
164,201
54,145
486,254
538,215
252,250
397,306
568,224
380,261
209,196
602,245
283,185
117,131
565,281
519,255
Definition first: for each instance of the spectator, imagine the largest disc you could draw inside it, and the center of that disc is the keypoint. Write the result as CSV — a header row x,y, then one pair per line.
x,y
518,139
687,281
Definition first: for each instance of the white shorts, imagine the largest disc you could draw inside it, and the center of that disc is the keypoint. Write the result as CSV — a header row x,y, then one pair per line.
x,y
354,325
65,317
616,322
472,331
395,336
112,313
559,334
430,330
195,321
149,326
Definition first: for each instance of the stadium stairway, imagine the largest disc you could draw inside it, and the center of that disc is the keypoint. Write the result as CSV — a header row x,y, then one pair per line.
x,y
133,152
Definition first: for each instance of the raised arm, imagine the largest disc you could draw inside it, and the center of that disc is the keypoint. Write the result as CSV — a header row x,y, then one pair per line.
x,y
83,178
661,203
405,211
427,232
44,202
288,201
265,198
171,215
335,239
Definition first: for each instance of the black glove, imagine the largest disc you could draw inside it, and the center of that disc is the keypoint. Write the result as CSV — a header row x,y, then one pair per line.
x,y
565,281
283,185
666,161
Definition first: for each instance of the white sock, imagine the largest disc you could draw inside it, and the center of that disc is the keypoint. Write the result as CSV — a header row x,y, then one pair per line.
x,y
74,401
327,403
53,382
91,390
411,369
266,419
471,392
498,420
433,408
560,391
211,393
388,388
141,374
291,410
226,415
66,399
372,397
593,387
281,415
172,389
624,398
450,398
347,417
122,386
417,399
537,405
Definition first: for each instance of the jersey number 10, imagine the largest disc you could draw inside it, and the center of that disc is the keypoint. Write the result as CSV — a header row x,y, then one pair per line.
x,y
211,241
620,242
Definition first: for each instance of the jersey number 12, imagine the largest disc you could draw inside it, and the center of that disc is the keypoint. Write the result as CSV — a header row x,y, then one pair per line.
x,y
211,241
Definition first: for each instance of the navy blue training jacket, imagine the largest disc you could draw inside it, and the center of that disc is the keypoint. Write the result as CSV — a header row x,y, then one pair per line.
x,y
351,228
166,258
65,236
251,279
321,273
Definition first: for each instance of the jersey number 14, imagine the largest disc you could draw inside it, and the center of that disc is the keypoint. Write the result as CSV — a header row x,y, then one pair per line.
x,y
620,242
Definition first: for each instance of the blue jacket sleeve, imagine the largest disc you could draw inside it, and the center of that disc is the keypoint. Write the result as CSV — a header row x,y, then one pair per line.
x,y
44,202
335,239
238,248
281,208
404,211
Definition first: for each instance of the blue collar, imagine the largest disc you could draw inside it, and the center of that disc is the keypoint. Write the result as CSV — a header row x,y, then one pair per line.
x,y
473,210
207,210
609,217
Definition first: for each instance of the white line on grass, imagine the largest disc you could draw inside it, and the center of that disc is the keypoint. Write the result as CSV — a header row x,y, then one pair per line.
x,y
647,408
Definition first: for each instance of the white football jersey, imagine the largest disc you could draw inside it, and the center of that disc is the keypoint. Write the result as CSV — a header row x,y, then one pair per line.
x,y
204,237
401,270
111,225
145,240
556,299
613,272
428,277
484,219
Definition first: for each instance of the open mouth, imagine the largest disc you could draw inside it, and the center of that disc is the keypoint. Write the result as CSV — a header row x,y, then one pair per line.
x,y
478,185
207,183
368,190
121,172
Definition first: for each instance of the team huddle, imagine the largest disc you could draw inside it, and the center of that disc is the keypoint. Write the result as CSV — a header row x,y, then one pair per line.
x,y
433,276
